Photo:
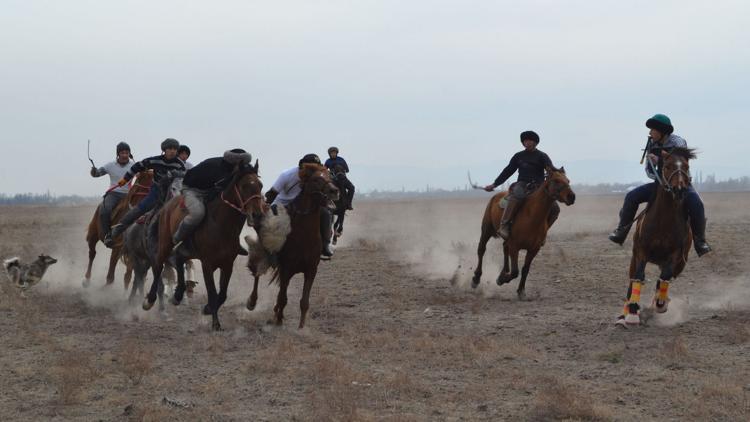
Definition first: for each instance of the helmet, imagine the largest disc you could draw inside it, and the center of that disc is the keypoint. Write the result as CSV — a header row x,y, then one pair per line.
x,y
309,158
122,146
169,143
660,122
530,134
183,148
333,149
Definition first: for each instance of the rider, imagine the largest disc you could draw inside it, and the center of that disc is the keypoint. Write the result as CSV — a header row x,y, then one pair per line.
x,y
334,159
530,164
183,152
166,165
201,184
287,187
116,170
660,131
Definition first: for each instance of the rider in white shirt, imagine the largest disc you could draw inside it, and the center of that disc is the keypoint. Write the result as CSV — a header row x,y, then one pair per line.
x,y
116,171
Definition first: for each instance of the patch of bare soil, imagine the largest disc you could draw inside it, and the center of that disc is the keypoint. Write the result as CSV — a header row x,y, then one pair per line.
x,y
395,333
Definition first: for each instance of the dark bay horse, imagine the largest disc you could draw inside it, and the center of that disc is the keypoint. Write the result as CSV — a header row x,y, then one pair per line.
x,y
216,242
662,236
529,229
301,252
95,234
344,203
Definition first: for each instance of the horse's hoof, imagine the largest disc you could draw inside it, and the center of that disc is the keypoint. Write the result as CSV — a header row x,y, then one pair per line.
x,y
147,305
502,279
216,327
661,308
522,296
621,322
632,320
174,301
475,281
207,310
250,306
86,283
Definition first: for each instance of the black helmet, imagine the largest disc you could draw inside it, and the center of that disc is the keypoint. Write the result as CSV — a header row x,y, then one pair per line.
x,y
169,143
122,146
333,149
309,158
183,148
530,134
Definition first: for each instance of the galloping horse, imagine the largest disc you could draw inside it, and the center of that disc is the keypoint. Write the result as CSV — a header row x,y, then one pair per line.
x,y
301,252
662,236
215,242
529,229
95,234
346,191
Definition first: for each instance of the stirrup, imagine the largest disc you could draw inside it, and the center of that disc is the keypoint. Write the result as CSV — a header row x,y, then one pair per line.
x,y
177,246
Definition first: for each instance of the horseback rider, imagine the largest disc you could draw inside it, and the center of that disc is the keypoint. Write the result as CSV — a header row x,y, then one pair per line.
x,y
287,187
166,165
201,184
334,159
116,170
530,164
183,153
660,132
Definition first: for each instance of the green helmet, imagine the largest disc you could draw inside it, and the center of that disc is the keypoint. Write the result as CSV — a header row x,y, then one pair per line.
x,y
661,123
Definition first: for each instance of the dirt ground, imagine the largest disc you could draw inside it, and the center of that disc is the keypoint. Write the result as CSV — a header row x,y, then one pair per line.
x,y
396,331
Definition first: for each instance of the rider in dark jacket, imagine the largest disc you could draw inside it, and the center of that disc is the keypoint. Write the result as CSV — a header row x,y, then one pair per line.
x,y
660,131
530,164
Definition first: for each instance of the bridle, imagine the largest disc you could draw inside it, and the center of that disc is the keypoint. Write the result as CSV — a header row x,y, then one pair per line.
x,y
243,202
664,181
554,193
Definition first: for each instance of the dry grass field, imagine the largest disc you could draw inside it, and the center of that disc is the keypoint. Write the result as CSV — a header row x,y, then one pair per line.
x,y
396,332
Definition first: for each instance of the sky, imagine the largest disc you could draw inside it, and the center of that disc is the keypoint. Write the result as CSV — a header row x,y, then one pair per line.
x,y
413,93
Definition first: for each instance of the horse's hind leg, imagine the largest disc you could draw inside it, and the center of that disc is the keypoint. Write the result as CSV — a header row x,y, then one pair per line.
x,y
481,249
525,272
252,301
92,255
304,303
113,258
151,297
512,253
179,291
661,295
281,300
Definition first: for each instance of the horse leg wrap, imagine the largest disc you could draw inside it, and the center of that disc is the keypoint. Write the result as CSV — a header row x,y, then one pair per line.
x,y
631,308
662,296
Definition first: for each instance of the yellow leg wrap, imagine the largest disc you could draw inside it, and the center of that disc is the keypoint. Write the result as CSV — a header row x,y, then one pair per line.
x,y
635,291
663,293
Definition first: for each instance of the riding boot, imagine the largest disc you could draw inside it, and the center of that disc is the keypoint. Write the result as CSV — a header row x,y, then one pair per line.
x,y
699,236
325,233
183,232
508,214
124,223
627,214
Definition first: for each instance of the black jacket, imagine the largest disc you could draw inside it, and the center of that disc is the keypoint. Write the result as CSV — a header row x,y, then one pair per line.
x,y
158,164
213,173
530,166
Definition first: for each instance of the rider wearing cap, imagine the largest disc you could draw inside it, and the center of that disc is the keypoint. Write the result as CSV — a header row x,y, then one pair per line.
x,y
166,165
660,131
334,159
287,187
116,170
531,164
202,183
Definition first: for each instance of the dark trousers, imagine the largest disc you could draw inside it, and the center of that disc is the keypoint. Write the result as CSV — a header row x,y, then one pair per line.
x,y
641,194
110,201
325,225
147,204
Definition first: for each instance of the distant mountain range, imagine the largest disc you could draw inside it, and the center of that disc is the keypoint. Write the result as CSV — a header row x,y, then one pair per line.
x,y
394,178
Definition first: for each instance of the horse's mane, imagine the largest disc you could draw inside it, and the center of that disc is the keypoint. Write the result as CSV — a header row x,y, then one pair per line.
x,y
686,153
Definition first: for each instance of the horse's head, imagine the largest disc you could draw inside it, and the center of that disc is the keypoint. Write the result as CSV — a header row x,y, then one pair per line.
x,y
557,186
141,186
675,171
245,191
316,180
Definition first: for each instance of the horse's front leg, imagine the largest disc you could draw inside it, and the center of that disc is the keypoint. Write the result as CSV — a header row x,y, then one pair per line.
x,y
92,255
150,299
179,291
212,305
481,249
632,309
281,299
511,253
525,272
113,257
661,295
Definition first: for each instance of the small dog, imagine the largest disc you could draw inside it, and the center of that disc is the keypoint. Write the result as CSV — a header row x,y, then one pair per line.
x,y
25,276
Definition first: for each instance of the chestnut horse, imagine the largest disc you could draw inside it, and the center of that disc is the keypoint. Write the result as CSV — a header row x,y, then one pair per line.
x,y
662,236
529,229
95,234
301,251
216,242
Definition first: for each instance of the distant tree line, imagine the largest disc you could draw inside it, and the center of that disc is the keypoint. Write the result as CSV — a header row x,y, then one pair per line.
x,y
45,199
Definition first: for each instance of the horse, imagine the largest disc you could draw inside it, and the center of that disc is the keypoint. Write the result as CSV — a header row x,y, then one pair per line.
x,y
139,243
662,236
301,251
529,229
344,203
215,242
95,234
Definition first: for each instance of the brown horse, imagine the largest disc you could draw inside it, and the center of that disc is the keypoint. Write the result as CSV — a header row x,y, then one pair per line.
x,y
529,229
662,236
215,242
95,234
301,252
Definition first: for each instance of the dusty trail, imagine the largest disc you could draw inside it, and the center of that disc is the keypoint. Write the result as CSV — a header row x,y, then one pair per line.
x,y
395,332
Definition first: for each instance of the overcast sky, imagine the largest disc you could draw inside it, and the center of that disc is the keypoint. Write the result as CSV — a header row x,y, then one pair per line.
x,y
411,86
